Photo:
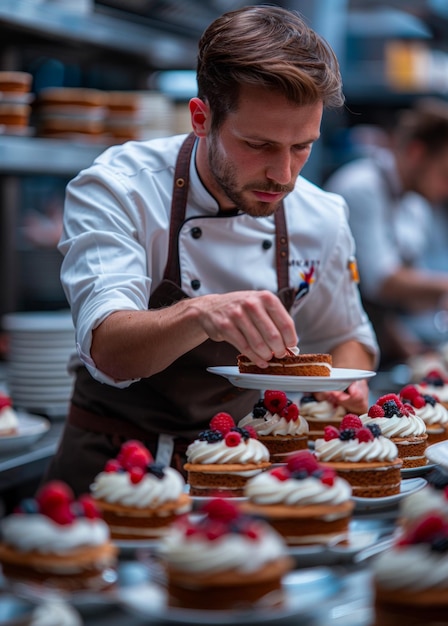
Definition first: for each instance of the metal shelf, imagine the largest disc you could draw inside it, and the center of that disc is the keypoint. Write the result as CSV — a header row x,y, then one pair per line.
x,y
159,49
33,155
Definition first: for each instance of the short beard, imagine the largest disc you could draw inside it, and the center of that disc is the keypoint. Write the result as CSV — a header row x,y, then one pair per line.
x,y
224,174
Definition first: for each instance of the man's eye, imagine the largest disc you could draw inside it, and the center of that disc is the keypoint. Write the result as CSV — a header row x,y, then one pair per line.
x,y
256,146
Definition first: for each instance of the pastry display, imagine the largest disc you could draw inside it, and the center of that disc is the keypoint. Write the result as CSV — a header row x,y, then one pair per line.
x,y
363,456
223,559
399,423
221,460
137,497
429,408
58,541
279,426
318,414
435,383
306,503
290,365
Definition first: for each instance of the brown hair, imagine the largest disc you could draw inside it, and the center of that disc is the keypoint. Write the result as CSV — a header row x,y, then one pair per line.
x,y
267,46
426,122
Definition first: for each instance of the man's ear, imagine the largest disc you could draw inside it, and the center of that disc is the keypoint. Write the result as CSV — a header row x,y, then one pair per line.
x,y
200,117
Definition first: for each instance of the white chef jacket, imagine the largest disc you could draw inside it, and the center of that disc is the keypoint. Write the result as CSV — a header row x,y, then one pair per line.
x,y
115,245
390,227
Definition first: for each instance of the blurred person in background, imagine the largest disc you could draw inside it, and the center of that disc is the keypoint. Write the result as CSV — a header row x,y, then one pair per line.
x,y
181,252
392,194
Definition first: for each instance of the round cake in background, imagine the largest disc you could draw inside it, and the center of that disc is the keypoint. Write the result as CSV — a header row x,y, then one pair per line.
x,y
290,365
319,414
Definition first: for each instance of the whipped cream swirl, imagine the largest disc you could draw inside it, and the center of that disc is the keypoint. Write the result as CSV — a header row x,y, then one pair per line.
x,y
433,390
38,532
411,567
422,502
247,451
436,414
274,424
396,426
380,449
232,551
151,491
266,489
322,410
8,419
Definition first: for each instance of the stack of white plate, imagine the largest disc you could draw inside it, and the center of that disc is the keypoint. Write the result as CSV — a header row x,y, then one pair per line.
x,y
40,344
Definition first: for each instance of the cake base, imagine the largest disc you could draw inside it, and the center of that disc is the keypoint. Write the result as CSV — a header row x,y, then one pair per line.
x,y
126,522
316,427
229,590
436,433
280,446
306,525
412,450
370,480
411,607
225,480
290,365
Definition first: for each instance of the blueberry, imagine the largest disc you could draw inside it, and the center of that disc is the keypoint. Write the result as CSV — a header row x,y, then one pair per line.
x,y
347,434
210,436
430,400
390,408
374,429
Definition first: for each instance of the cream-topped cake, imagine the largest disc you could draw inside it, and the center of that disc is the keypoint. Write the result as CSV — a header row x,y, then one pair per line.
x,y
9,423
305,502
399,423
435,383
320,413
433,498
430,410
279,426
363,456
221,460
137,497
223,559
411,578
58,541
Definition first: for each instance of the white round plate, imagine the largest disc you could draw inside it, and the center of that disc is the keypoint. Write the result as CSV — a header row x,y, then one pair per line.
x,y
305,590
30,429
412,472
408,486
437,453
339,379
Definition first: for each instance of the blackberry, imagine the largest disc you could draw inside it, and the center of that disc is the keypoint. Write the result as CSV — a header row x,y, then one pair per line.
x,y
210,436
434,381
438,478
259,409
347,434
307,399
242,431
390,408
300,474
440,544
374,429
430,400
156,469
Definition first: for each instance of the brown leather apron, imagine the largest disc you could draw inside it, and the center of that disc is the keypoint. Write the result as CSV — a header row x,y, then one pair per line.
x,y
180,400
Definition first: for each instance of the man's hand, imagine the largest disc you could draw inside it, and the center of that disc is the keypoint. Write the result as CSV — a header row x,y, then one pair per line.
x,y
355,399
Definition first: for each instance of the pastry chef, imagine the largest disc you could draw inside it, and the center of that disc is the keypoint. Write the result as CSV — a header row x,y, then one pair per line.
x,y
181,252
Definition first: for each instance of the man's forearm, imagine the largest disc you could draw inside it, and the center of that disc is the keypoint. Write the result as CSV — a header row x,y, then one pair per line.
x,y
352,355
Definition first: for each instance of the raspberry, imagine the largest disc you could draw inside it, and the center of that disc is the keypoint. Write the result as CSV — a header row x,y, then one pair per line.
x,y
112,465
275,401
130,447
215,530
409,392
218,508
407,409
138,458
330,432
419,402
232,439
375,411
328,477
222,422
89,507
388,397
364,435
281,473
428,528
350,420
251,432
5,401
53,494
136,474
302,460
291,412
61,513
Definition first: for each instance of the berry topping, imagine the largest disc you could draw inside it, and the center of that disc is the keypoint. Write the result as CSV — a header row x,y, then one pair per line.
x,y
210,436
392,409
376,411
259,410
62,514
375,430
388,398
364,434
418,402
88,507
434,378
432,528
307,398
328,476
136,474
5,401
53,495
133,449
330,432
250,430
232,439
432,400
347,433
409,392
222,422
137,458
302,461
281,473
275,401
112,465
350,421
220,509
290,412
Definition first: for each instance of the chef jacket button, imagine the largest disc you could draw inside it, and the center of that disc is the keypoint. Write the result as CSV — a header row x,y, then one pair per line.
x,y
266,244
195,284
196,232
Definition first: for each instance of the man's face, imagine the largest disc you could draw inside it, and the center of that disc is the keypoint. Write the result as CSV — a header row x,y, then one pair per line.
x,y
431,177
256,155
